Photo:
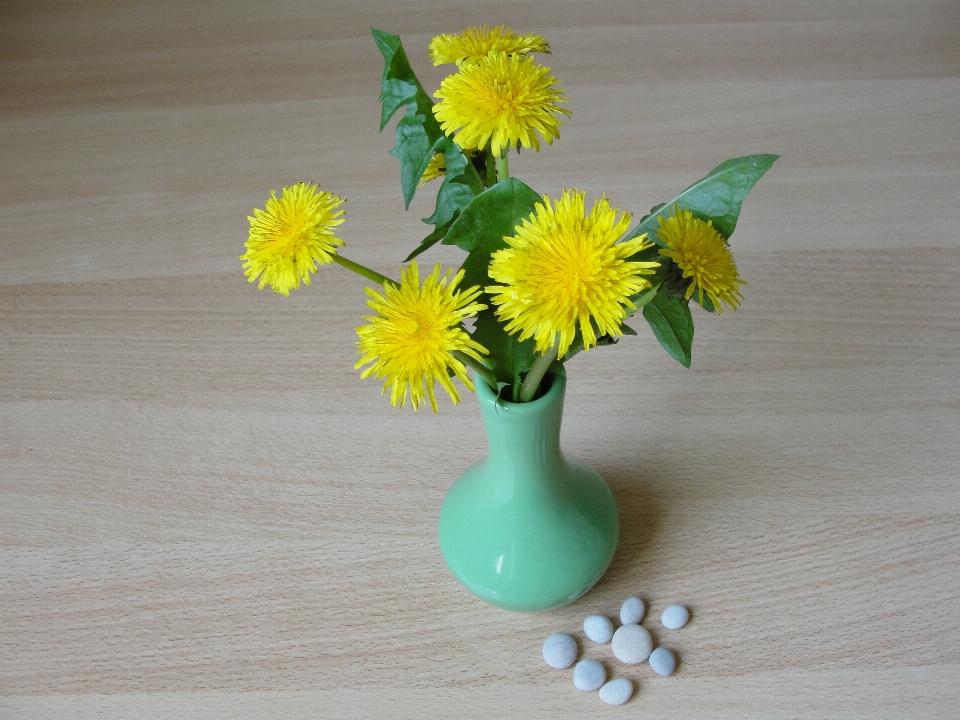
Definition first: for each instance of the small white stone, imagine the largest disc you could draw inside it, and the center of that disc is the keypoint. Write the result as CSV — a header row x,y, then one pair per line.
x,y
632,610
616,692
675,617
663,662
598,628
632,644
560,651
589,675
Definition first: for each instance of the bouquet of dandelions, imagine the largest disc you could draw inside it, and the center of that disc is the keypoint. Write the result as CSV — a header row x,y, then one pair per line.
x,y
543,278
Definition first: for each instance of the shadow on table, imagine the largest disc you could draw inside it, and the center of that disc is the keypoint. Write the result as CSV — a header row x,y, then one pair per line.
x,y
641,516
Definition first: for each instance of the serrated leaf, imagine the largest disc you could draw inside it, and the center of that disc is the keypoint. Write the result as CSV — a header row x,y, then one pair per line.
x,y
399,84
414,148
419,137
717,197
672,324
461,184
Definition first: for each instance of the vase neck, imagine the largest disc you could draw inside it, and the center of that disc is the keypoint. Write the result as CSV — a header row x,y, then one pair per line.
x,y
523,435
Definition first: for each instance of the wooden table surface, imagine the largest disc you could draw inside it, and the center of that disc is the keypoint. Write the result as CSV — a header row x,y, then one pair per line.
x,y
205,513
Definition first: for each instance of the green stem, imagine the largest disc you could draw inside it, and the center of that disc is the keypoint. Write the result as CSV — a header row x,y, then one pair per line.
x,y
503,167
491,178
364,271
530,384
481,370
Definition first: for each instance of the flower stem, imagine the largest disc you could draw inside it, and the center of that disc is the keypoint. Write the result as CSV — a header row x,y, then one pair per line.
x,y
481,370
530,384
503,167
363,270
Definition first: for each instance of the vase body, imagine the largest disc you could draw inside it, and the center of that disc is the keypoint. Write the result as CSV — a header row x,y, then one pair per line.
x,y
528,528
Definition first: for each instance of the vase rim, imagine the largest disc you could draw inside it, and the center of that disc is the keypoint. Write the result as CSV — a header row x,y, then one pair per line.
x,y
486,394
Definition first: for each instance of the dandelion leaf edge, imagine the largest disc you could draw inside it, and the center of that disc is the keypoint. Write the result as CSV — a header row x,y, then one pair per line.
x,y
672,324
717,197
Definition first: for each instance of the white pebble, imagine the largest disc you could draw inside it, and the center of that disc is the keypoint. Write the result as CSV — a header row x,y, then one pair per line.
x,y
632,610
616,692
560,651
598,628
663,662
589,675
632,644
675,617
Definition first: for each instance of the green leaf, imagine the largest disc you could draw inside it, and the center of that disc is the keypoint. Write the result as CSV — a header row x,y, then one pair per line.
x,y
429,241
414,148
512,358
643,297
672,323
461,184
705,302
482,225
399,84
479,230
493,214
717,197
419,137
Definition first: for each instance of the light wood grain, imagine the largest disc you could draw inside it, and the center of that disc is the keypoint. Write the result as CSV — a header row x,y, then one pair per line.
x,y
205,513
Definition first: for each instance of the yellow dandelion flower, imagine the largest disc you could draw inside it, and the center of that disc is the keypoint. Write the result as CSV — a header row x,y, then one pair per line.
x,y
292,235
703,255
478,42
437,167
411,339
563,267
501,101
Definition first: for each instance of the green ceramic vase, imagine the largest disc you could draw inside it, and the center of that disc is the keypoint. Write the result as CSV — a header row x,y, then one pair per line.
x,y
528,528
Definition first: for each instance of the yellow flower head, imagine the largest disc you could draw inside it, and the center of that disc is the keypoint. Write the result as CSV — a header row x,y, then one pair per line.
x,y
291,236
411,339
437,167
500,101
478,42
564,266
703,255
